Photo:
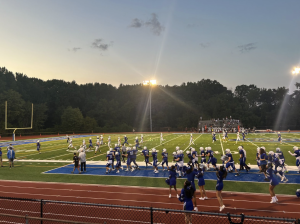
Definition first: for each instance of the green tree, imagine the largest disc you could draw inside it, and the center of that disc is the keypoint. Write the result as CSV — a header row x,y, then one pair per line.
x,y
72,119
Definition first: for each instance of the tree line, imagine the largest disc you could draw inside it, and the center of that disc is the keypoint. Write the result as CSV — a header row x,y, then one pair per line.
x,y
61,106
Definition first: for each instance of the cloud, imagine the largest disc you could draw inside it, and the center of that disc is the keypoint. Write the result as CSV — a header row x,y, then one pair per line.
x,y
204,45
74,49
136,23
153,24
247,47
100,45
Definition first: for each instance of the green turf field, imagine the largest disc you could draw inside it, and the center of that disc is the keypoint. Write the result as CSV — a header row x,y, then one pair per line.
x,y
56,150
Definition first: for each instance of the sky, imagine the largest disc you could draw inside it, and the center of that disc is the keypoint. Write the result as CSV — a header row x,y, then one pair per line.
x,y
172,41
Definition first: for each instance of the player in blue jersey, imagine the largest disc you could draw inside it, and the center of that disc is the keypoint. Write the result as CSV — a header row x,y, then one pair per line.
x,y
91,143
190,175
189,155
172,181
146,155
113,158
258,159
263,158
221,175
278,170
117,148
109,158
213,137
273,182
125,140
154,156
1,157
186,196
118,159
135,152
164,155
211,158
179,160
280,155
279,138
229,163
297,155
244,136
195,157
226,135
203,155
38,146
201,182
129,156
271,157
243,158
137,145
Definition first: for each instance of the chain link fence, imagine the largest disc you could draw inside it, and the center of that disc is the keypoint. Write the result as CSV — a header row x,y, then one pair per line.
x,y
34,211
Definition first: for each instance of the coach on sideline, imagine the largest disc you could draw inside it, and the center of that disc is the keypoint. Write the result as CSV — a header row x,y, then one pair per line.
x,y
82,158
11,157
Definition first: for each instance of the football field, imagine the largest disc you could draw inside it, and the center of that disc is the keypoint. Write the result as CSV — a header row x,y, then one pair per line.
x,y
30,165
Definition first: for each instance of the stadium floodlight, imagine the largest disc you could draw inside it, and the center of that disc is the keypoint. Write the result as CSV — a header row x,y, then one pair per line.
x,y
150,83
296,71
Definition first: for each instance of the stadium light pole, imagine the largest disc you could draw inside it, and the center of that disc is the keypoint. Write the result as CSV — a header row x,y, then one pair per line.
x,y
150,83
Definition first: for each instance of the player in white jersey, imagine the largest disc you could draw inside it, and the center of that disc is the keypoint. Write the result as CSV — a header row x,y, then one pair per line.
x,y
161,137
237,137
83,144
101,139
191,139
70,144
81,148
224,137
96,148
119,141
142,139
98,141
109,141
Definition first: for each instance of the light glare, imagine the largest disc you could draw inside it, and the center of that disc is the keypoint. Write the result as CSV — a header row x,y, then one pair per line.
x,y
149,83
296,71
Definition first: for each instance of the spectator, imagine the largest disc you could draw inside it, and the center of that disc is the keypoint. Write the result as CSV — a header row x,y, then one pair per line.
x,y
11,157
82,158
76,162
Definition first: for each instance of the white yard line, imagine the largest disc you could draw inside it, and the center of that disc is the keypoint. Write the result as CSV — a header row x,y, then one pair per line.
x,y
191,143
252,143
168,141
221,144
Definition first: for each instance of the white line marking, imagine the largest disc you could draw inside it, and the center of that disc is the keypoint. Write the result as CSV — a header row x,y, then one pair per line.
x,y
192,142
221,144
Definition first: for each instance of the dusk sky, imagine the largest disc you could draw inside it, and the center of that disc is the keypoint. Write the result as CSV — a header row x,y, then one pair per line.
x,y
128,41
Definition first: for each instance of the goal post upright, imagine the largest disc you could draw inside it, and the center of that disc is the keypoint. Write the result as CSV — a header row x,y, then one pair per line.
x,y
6,128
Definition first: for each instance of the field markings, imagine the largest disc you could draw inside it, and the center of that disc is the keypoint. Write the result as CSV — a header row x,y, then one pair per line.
x,y
221,144
167,141
193,142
